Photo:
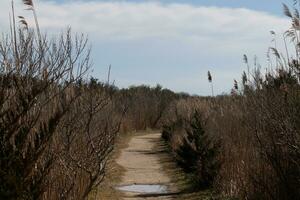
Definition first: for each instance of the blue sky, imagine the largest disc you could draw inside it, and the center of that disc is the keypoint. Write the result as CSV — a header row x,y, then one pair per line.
x,y
173,43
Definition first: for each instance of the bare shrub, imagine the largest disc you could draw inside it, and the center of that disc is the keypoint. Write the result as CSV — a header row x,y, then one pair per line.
x,y
56,129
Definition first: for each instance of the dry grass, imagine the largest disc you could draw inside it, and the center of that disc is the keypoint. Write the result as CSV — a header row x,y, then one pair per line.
x,y
114,172
257,126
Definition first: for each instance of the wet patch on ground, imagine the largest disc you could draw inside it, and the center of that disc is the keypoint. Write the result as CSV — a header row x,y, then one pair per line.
x,y
145,189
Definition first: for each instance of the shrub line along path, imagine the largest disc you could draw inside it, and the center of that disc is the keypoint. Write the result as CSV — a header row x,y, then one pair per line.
x,y
142,163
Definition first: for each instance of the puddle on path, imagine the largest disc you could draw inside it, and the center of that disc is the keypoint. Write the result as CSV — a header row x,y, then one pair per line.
x,y
145,189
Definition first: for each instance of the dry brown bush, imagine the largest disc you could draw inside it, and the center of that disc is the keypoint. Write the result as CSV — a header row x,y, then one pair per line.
x,y
56,128
258,126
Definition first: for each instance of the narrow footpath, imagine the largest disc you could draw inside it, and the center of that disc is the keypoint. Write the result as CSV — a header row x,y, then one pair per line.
x,y
144,173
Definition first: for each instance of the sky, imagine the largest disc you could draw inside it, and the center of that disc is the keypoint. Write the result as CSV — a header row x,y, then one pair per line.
x,y
171,43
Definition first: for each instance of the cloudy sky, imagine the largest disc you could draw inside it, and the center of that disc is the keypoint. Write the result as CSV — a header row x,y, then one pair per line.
x,y
173,43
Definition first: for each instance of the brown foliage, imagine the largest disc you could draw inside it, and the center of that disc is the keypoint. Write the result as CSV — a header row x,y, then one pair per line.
x,y
56,129
258,127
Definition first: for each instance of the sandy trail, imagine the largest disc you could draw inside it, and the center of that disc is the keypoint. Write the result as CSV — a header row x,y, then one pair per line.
x,y
141,160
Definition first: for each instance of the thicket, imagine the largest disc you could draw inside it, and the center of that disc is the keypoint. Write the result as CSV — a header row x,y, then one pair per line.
x,y
58,125
254,133
146,106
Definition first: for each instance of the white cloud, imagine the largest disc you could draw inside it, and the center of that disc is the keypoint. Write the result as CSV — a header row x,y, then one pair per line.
x,y
126,20
211,33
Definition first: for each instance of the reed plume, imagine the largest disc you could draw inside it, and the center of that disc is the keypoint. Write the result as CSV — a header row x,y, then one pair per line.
x,y
28,2
287,11
245,59
236,86
23,22
244,78
209,77
30,5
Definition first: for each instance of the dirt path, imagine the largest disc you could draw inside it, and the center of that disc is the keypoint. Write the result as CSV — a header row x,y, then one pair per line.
x,y
144,159
142,162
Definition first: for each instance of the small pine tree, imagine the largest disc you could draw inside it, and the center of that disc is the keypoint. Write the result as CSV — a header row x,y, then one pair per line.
x,y
198,153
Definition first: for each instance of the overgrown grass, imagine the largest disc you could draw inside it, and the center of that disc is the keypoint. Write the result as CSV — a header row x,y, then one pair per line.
x,y
254,132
